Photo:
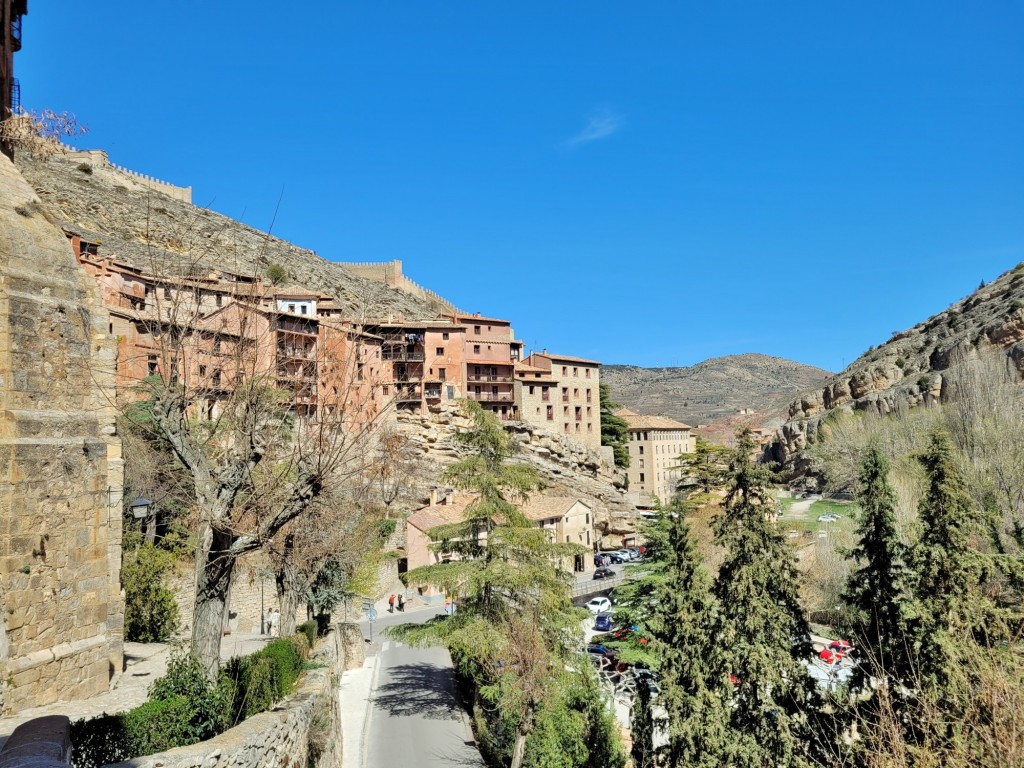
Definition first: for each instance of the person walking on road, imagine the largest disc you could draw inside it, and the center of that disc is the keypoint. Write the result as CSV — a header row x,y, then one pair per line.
x,y
401,603
391,604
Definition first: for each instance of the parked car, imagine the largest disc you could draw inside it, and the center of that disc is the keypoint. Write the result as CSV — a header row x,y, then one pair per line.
x,y
604,573
598,649
616,557
599,605
603,622
600,560
634,552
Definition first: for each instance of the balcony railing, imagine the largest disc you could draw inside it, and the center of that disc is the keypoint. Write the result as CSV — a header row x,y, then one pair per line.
x,y
401,353
432,394
490,377
408,394
491,397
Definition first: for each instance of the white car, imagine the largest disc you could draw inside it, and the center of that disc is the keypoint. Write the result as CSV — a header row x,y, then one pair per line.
x,y
599,605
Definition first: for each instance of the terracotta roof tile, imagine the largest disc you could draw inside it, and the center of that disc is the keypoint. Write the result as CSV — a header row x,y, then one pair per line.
x,y
641,421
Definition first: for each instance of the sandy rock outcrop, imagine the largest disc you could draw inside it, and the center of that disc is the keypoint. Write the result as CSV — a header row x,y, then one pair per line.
x,y
564,466
912,368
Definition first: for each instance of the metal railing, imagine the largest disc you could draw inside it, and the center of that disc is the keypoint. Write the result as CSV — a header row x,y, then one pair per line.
x,y
489,377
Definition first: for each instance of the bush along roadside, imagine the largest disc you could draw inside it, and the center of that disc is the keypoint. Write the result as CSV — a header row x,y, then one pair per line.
x,y
185,707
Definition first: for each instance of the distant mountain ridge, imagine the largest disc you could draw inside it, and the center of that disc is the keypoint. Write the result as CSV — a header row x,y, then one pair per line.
x,y
714,389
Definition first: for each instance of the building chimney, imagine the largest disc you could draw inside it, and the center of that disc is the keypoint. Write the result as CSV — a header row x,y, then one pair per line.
x,y
433,497
544,351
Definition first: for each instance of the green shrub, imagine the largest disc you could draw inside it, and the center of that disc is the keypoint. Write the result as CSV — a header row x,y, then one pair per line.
x,y
276,274
150,611
309,629
255,683
100,741
186,679
162,724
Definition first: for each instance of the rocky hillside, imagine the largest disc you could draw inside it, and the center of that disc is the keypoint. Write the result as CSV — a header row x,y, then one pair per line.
x,y
564,467
712,390
157,233
909,368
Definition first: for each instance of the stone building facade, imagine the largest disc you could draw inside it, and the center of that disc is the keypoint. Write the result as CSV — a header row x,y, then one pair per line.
x,y
60,497
575,400
655,443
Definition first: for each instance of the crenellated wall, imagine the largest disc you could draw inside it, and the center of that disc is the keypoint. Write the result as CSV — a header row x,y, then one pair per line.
x,y
62,615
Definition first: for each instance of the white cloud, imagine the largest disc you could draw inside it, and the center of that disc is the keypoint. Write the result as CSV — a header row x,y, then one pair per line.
x,y
599,126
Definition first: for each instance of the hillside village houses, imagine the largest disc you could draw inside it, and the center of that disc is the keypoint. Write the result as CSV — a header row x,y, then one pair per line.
x,y
655,443
566,519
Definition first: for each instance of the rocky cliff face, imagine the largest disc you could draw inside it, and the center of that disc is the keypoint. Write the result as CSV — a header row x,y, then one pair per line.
x,y
565,467
159,234
912,367
714,389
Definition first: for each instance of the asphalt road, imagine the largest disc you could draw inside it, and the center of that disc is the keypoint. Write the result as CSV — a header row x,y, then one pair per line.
x,y
415,720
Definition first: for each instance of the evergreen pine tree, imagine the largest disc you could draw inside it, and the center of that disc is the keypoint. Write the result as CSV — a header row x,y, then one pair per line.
x,y
946,568
763,637
641,727
695,691
614,429
879,593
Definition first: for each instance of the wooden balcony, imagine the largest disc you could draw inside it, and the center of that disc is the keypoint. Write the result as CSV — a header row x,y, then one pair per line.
x,y
491,397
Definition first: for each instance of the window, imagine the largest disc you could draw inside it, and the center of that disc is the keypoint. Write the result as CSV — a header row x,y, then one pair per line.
x,y
551,413
167,294
444,336
588,411
565,370
579,413
216,378
359,372
476,349
641,477
441,374
589,400
587,374
575,371
590,427
577,426
531,389
641,463
202,370
641,450
439,351
588,518
476,330
567,428
151,365
219,300
385,390
575,394
291,308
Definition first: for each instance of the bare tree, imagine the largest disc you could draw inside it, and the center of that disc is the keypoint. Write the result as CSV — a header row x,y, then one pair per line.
x,y
266,412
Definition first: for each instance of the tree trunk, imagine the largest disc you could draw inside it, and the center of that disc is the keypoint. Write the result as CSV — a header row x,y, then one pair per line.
x,y
289,593
215,565
519,750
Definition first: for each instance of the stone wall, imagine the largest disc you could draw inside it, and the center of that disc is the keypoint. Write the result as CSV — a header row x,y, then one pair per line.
x,y
60,491
252,592
308,720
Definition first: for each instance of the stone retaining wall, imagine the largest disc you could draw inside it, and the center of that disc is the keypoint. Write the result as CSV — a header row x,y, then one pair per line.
x,y
303,730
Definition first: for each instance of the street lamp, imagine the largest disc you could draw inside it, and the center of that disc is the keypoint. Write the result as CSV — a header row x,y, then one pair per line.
x,y
141,510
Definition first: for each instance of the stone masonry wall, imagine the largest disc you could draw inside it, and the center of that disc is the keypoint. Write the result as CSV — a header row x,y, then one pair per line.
x,y
308,720
62,616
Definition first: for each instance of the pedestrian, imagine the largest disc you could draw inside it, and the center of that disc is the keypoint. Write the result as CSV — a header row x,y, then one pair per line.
x,y
401,603
391,604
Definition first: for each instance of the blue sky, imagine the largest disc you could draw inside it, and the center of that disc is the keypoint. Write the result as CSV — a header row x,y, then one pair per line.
x,y
650,183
